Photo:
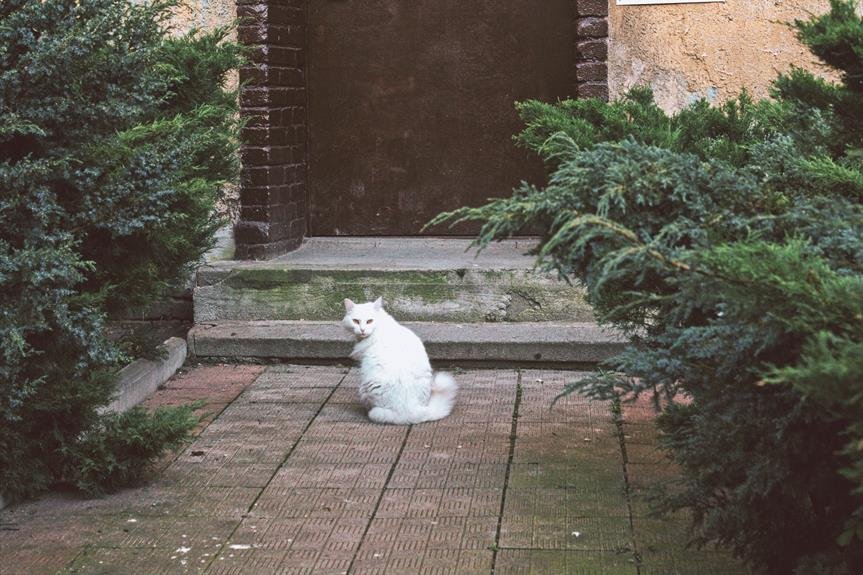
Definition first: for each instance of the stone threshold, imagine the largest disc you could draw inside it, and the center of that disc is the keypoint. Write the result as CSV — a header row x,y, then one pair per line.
x,y
501,343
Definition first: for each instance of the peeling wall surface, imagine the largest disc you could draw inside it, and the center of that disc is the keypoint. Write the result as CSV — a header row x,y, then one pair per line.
x,y
687,52
204,14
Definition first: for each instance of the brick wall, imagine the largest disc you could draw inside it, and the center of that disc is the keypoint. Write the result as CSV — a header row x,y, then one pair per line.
x,y
273,104
591,51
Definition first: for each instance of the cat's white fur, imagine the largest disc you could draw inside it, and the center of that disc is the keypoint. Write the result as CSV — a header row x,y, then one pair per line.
x,y
397,383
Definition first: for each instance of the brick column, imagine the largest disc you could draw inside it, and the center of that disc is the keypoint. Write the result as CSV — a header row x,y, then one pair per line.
x,y
591,52
273,105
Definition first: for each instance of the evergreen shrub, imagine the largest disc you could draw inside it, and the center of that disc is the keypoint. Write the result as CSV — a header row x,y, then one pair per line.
x,y
117,139
727,243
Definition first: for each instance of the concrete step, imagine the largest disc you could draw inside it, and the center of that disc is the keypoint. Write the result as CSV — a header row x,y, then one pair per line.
x,y
503,343
420,279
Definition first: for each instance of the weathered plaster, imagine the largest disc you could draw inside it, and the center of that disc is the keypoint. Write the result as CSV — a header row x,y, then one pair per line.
x,y
204,14
687,52
207,15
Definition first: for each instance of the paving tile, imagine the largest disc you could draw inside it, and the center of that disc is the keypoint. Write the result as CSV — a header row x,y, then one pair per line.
x,y
344,394
292,502
285,394
437,503
41,543
557,442
213,467
156,498
210,376
462,442
235,475
447,473
292,477
426,545
302,544
320,533
46,530
568,532
316,452
591,500
330,562
164,531
502,380
251,561
346,412
473,561
388,536
30,561
382,437
541,400
321,475
222,502
302,376
269,412
544,562
248,441
484,396
133,561
600,477
351,379
380,564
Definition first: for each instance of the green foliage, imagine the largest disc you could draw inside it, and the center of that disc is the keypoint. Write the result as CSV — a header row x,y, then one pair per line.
x,y
116,141
590,121
727,243
117,450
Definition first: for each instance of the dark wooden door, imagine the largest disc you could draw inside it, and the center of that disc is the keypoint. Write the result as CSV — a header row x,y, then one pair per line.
x,y
411,105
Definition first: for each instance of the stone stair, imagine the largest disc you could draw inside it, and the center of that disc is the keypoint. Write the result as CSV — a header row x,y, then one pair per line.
x,y
492,307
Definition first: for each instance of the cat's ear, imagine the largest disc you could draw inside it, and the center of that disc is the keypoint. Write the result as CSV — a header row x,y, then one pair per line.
x,y
379,303
349,305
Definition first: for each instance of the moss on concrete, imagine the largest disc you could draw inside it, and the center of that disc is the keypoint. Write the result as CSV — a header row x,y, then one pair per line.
x,y
472,296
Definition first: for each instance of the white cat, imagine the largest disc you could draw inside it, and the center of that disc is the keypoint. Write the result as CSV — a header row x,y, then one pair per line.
x,y
396,379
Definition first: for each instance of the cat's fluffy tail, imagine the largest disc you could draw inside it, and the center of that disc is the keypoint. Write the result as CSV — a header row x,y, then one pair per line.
x,y
443,392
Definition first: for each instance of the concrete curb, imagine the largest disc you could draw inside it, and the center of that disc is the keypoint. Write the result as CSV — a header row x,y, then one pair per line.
x,y
141,377
504,343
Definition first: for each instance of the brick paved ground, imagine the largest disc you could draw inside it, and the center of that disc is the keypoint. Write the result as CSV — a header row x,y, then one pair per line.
x,y
288,476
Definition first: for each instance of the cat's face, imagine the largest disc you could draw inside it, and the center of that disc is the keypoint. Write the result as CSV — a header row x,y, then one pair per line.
x,y
361,319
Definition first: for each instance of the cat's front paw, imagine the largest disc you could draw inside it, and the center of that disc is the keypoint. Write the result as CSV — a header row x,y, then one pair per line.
x,y
355,355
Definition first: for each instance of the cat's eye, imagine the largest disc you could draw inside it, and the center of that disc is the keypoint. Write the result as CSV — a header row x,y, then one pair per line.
x,y
370,321
356,321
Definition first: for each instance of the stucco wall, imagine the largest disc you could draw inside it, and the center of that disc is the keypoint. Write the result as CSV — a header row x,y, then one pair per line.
x,y
204,14
691,51
207,15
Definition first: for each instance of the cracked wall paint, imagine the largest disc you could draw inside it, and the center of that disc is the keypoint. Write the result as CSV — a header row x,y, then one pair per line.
x,y
687,52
